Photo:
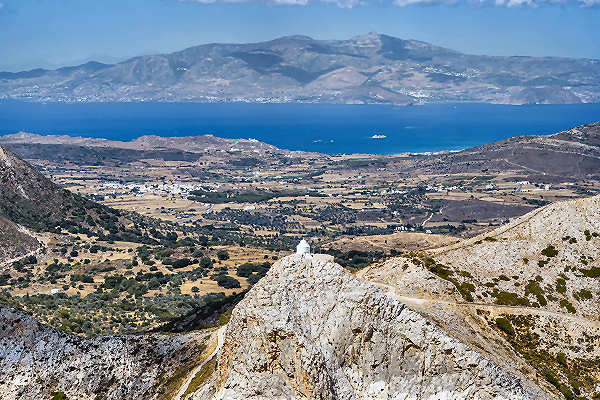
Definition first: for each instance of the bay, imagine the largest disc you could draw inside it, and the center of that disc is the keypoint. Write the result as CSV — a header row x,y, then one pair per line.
x,y
327,128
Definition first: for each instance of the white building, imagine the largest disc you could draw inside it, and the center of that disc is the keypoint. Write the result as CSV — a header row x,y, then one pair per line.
x,y
303,248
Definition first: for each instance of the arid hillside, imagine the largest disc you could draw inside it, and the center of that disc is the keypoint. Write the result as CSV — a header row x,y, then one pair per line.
x,y
30,199
545,158
512,314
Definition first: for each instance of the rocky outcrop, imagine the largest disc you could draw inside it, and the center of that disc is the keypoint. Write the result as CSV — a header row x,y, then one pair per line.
x,y
311,330
36,360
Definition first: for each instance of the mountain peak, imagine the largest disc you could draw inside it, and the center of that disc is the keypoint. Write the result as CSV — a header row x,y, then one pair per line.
x,y
371,39
297,37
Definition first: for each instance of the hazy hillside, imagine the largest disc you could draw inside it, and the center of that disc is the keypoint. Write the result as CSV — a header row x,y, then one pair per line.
x,y
371,68
574,153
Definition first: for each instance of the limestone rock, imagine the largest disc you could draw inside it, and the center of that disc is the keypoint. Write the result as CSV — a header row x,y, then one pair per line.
x,y
311,330
36,360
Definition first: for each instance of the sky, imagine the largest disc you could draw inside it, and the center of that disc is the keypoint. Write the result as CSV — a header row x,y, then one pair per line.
x,y
55,33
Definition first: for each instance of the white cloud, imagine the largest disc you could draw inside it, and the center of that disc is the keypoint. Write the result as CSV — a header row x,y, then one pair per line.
x,y
345,3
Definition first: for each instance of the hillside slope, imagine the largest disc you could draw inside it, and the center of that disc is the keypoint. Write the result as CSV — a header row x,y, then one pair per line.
x,y
550,257
512,314
371,68
574,153
15,241
534,281
30,199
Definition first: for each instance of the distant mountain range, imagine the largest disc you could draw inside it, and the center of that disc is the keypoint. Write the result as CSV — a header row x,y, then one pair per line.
x,y
371,68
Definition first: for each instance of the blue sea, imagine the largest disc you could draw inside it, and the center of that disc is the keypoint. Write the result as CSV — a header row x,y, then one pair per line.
x,y
326,128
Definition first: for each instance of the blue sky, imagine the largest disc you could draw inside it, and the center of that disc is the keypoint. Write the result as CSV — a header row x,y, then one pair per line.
x,y
52,33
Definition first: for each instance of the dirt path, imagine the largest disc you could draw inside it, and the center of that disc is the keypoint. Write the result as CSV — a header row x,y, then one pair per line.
x,y
504,308
12,260
523,167
426,220
495,233
186,384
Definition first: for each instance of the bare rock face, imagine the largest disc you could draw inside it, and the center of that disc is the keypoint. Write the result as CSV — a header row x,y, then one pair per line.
x,y
311,330
36,360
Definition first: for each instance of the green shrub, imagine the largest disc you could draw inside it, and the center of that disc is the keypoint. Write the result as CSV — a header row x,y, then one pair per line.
x,y
534,288
227,282
551,378
206,262
561,286
511,299
223,255
583,294
566,304
182,263
59,396
550,251
593,272
504,325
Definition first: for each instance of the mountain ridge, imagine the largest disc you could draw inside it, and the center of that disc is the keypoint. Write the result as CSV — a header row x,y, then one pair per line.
x,y
372,68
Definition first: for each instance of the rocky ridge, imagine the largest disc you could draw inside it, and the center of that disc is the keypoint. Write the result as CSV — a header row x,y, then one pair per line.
x,y
37,360
187,143
15,240
311,330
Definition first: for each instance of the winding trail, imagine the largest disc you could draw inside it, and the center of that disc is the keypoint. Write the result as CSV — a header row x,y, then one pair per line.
x,y
186,384
422,302
426,220
523,167
11,260
494,233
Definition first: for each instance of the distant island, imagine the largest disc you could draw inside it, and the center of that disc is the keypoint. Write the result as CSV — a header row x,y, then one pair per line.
x,y
367,69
